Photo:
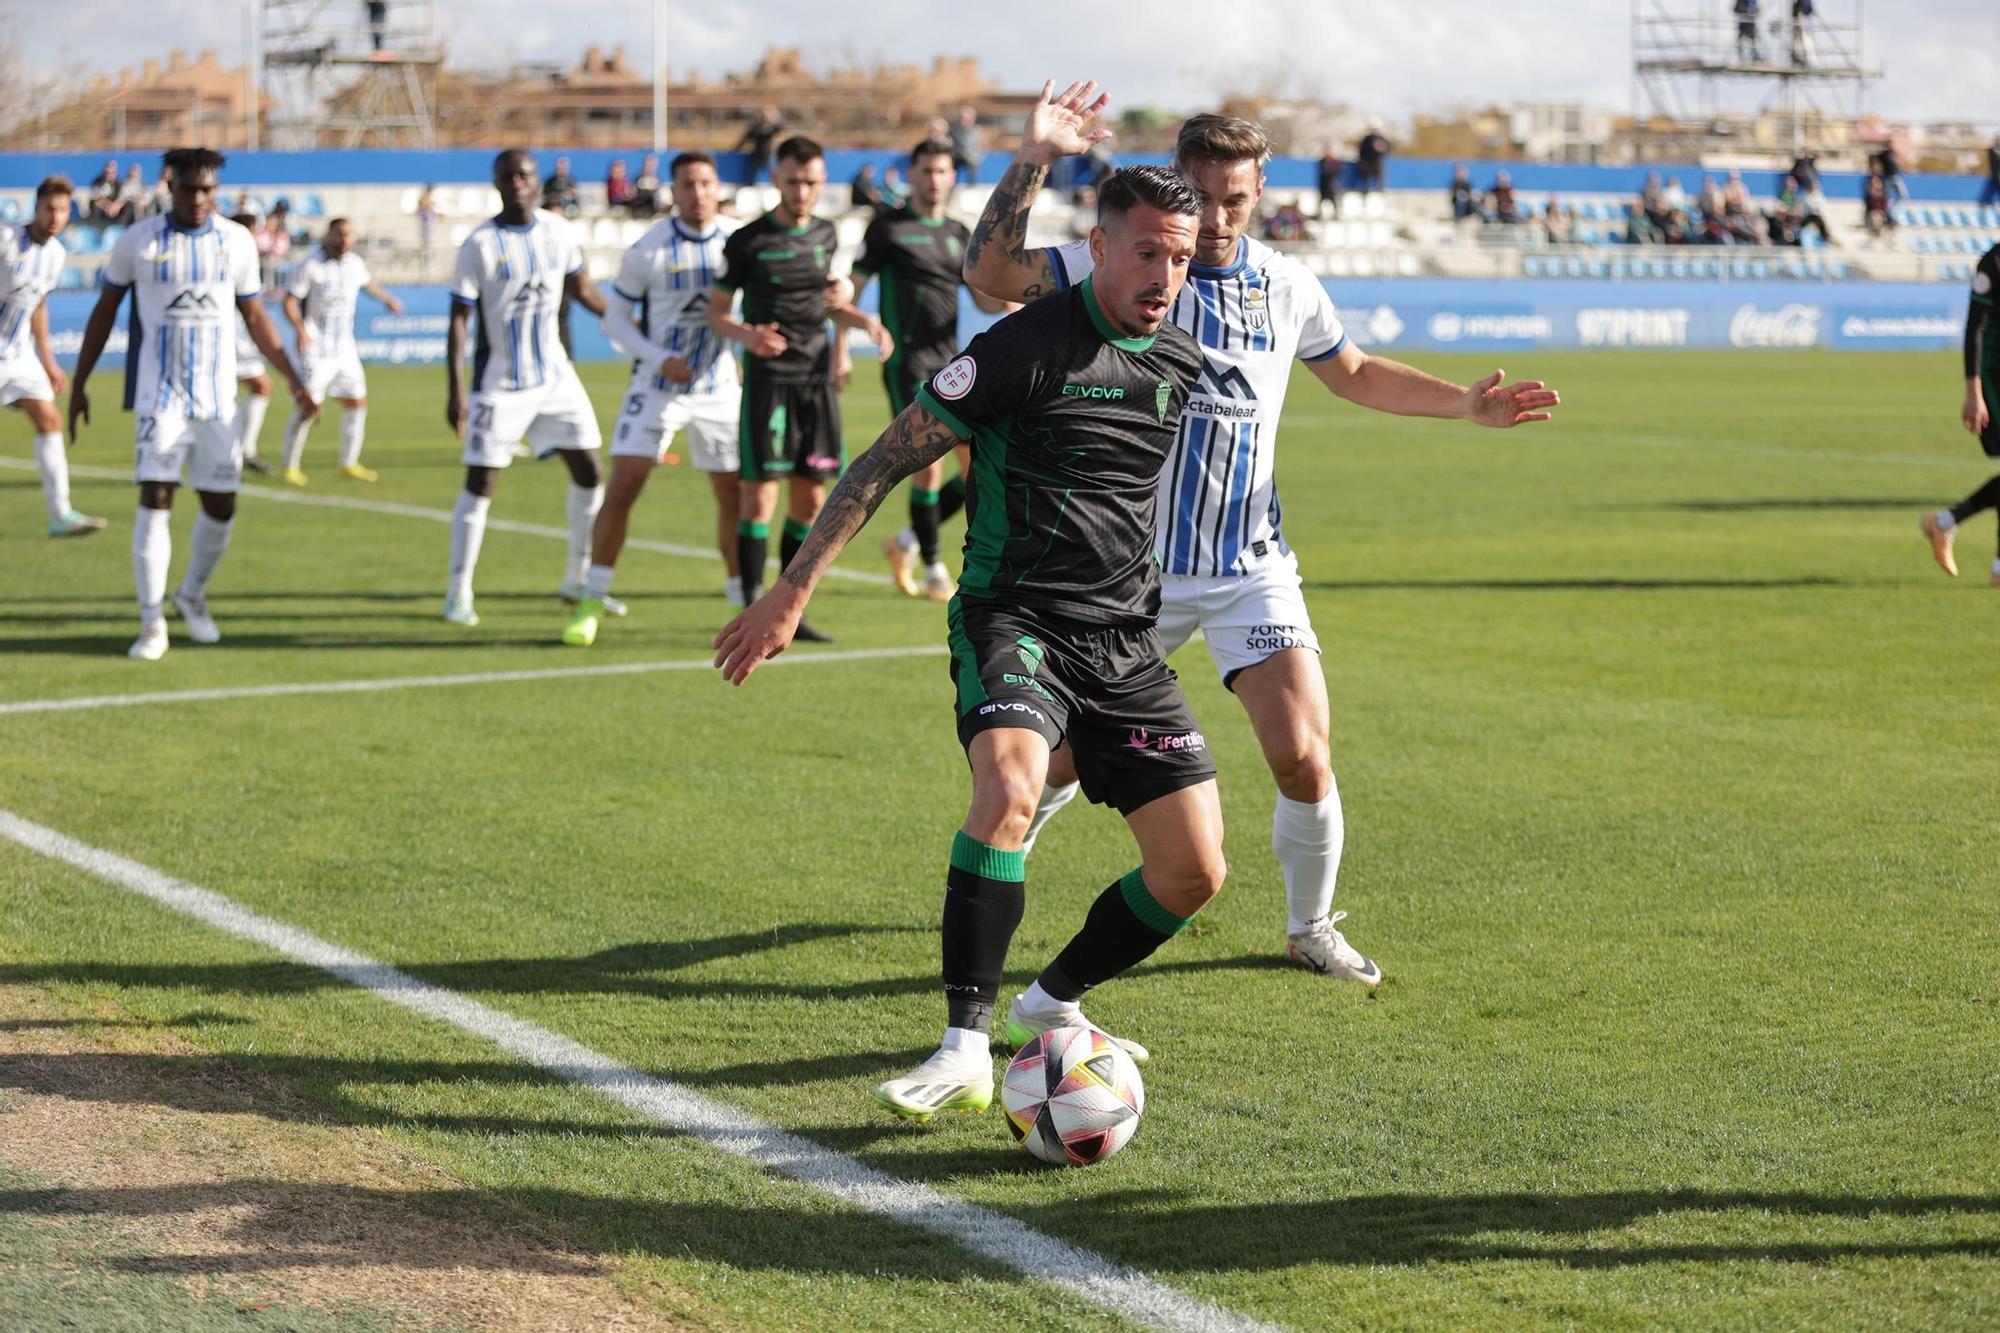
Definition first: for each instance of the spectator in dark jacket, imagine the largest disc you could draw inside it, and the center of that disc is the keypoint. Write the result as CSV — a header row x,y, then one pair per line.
x,y
1990,192
618,187
1875,214
1373,155
1464,199
757,141
968,148
559,191
1501,204
1330,169
864,191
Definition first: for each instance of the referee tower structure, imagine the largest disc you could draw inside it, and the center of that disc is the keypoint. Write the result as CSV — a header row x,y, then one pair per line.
x,y
1698,63
347,74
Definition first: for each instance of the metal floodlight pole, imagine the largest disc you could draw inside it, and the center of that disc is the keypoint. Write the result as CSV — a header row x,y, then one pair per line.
x,y
659,78
253,66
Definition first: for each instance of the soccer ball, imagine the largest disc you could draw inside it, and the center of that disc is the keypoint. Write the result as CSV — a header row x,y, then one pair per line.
x,y
1073,1096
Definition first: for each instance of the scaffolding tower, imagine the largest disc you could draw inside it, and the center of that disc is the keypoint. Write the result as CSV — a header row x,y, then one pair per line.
x,y
1701,64
348,73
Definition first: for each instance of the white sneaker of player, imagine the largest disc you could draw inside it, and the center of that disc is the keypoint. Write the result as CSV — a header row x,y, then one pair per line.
x,y
151,645
458,610
732,592
1024,1025
194,614
572,593
948,1081
1326,951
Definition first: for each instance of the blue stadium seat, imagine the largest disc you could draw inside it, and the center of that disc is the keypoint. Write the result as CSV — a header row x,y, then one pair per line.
x,y
1760,269
72,280
10,210
109,236
80,240
312,206
1596,267
1531,266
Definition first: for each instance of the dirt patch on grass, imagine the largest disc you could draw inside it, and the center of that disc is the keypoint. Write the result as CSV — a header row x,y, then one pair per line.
x,y
245,1191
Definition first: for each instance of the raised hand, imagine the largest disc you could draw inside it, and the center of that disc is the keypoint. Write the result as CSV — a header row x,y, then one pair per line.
x,y
1059,126
1495,404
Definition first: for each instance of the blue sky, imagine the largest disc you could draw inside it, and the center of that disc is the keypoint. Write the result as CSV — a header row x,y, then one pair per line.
x,y
1941,57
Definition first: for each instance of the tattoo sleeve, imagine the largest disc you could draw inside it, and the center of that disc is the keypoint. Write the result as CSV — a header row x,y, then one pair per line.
x,y
1004,223
914,440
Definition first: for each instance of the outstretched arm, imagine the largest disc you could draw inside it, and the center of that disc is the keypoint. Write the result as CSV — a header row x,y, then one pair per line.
x,y
1390,386
913,441
998,261
102,316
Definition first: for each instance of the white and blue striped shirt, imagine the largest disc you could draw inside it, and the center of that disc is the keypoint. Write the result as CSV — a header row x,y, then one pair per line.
x,y
514,276
28,273
185,285
663,286
1219,510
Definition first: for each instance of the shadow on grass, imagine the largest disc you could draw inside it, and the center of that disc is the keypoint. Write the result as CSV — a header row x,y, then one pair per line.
x,y
1790,505
1590,585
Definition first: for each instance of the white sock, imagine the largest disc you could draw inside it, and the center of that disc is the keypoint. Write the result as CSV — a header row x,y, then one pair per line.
x,y
733,590
352,421
597,583
968,1045
936,572
49,457
584,502
211,539
907,539
1053,799
152,550
1946,520
1039,1003
1307,839
468,529
1996,569
296,431
250,409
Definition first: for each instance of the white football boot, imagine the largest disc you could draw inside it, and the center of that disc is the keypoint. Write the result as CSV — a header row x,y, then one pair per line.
x,y
1326,951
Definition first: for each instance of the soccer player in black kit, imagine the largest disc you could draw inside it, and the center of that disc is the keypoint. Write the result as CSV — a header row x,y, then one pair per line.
x,y
1071,407
919,254
790,426
1981,413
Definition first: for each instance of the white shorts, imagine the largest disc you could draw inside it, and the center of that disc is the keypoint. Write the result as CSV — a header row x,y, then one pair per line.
x,y
651,417
557,415
24,381
335,377
249,361
208,450
1246,618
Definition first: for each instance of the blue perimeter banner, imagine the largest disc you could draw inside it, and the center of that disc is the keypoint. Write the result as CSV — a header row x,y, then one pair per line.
x,y
1382,315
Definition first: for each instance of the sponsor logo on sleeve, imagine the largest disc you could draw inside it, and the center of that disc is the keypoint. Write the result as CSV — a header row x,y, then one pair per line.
x,y
955,380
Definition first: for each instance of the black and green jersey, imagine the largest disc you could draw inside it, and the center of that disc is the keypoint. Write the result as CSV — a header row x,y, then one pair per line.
x,y
1982,336
782,274
918,261
1071,423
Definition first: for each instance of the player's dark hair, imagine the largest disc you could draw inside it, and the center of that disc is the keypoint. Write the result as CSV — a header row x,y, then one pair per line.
x,y
1156,187
692,158
331,223
196,160
800,149
932,148
1222,139
54,187
506,154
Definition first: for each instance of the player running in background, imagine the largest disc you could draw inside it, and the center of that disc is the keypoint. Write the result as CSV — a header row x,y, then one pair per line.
x,y
918,253
1981,413
31,262
513,271
789,427
683,379
1229,571
253,381
320,303
1071,408
189,271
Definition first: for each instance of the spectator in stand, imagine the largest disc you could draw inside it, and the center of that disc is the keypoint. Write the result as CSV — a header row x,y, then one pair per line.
x,y
757,141
427,224
559,191
1331,168
1713,230
1989,193
1558,222
1287,223
105,206
1464,199
1676,197
1805,169
1892,172
1083,218
1502,206
1811,209
1746,32
1875,213
1640,228
378,22
618,187
864,191
968,147
134,200
1802,50
1710,202
1373,156
895,190
646,187
163,194
1653,199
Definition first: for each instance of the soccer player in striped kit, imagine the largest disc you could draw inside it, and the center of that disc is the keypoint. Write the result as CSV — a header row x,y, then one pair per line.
x,y
683,380
31,262
1228,569
190,272
320,303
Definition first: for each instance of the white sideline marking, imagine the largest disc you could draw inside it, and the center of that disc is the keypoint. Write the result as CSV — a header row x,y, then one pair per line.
x,y
432,682
437,516
995,1236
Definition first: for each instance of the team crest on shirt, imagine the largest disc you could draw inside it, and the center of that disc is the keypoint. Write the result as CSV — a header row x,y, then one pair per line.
x,y
1253,308
1161,396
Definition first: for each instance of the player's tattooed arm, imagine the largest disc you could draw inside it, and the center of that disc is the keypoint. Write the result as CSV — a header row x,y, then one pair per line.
x,y
997,258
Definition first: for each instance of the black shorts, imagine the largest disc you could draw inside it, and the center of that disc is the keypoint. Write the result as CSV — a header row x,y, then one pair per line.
x,y
789,430
902,377
1990,439
1105,689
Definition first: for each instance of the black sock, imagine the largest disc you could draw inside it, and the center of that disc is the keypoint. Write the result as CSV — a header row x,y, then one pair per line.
x,y
951,499
924,522
790,541
982,906
1986,497
1125,925
753,547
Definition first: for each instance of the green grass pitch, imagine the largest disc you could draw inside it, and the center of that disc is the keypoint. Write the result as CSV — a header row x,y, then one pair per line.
x,y
1669,770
